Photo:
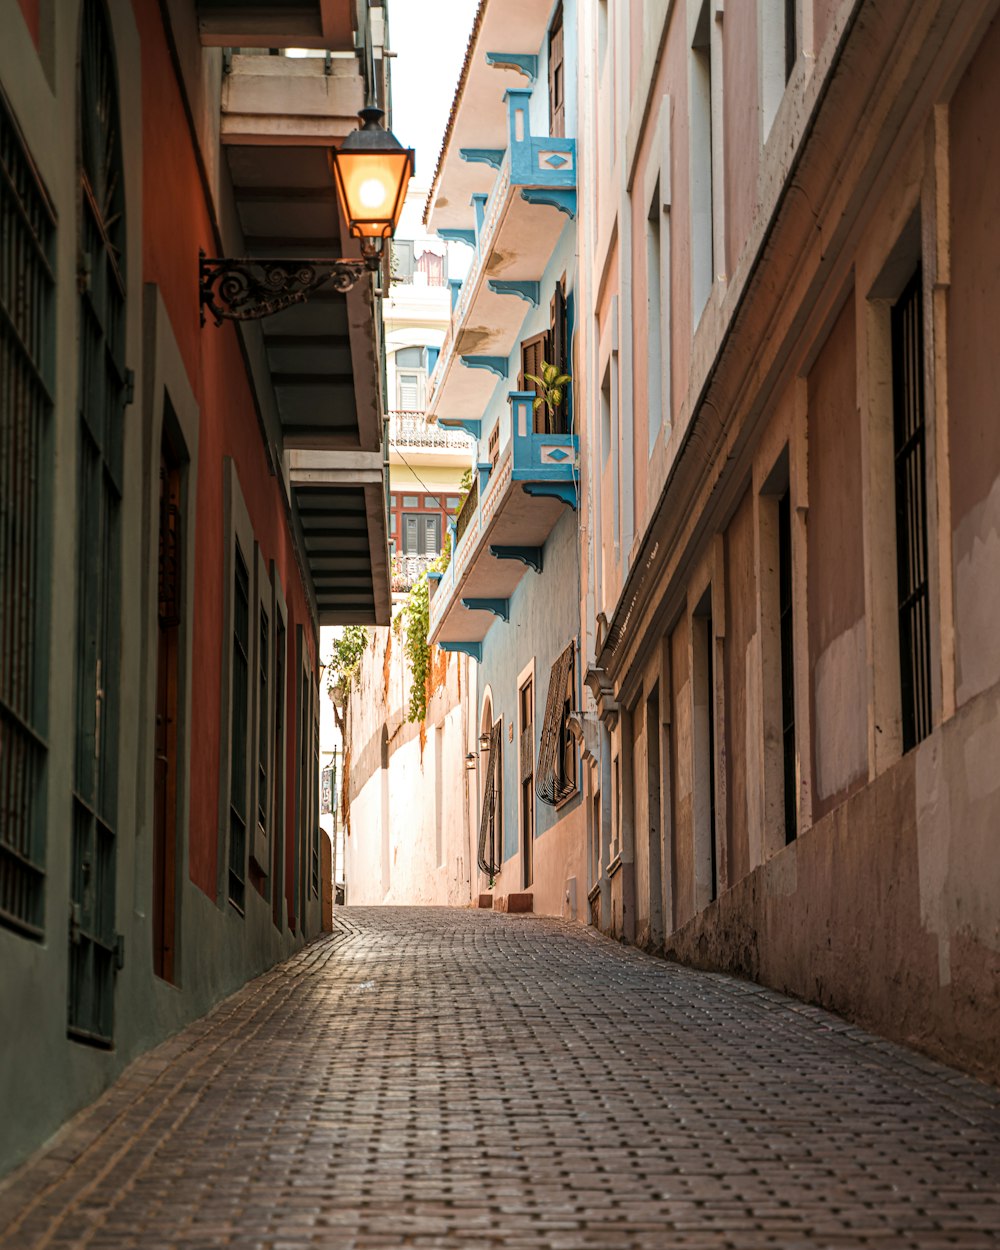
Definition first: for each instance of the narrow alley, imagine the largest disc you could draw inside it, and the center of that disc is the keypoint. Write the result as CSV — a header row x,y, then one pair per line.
x,y
447,1078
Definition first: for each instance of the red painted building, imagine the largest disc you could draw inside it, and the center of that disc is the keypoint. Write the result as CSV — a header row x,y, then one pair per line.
x,y
182,505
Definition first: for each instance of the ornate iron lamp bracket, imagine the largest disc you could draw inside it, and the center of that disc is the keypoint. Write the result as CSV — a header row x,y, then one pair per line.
x,y
248,288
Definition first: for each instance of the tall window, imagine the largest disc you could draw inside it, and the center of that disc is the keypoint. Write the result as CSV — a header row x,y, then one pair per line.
x,y
787,644
102,394
27,244
411,379
557,77
654,319
909,437
702,142
238,732
778,53
703,647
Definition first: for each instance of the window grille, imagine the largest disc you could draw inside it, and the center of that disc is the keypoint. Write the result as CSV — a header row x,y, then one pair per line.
x,y
787,663
27,240
238,733
102,398
555,775
263,659
314,785
490,852
911,512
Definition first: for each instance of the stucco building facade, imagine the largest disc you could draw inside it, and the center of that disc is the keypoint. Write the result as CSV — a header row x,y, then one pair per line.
x,y
167,560
788,546
506,186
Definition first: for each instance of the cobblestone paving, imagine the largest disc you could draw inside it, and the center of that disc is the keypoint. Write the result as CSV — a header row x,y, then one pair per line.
x,y
430,1078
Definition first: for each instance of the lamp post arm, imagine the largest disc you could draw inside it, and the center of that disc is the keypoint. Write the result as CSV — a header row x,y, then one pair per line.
x,y
249,288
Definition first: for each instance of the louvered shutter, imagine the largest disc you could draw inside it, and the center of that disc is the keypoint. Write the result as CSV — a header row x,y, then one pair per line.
x,y
550,783
489,857
557,88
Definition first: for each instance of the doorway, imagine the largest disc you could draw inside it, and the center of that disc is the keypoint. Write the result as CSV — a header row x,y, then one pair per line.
x,y
169,583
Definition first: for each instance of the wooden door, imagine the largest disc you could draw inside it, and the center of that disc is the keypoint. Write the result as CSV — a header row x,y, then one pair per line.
x,y
527,780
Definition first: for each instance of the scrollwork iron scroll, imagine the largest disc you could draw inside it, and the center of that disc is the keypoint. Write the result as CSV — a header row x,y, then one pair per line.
x,y
249,288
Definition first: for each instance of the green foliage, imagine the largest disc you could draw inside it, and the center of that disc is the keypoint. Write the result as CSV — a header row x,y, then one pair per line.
x,y
415,618
553,384
348,651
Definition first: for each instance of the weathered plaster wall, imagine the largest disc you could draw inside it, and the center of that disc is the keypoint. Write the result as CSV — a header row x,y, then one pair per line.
x,y
408,839
974,368
908,885
836,570
44,1077
544,618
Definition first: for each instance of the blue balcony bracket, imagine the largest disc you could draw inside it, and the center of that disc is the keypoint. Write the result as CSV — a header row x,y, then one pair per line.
x,y
499,607
520,62
566,491
484,468
482,156
472,428
557,197
478,203
452,235
529,556
528,291
433,578
472,649
455,286
495,364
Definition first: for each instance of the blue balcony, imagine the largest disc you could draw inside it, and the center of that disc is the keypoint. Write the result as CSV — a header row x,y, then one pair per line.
x,y
517,227
517,504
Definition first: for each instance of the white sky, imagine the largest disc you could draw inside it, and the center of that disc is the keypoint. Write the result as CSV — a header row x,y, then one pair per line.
x,y
429,38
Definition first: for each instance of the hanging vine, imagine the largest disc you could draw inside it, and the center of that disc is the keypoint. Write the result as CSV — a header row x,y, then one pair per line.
x,y
414,621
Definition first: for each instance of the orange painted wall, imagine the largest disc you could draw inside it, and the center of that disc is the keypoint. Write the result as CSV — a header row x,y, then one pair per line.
x,y
176,223
32,16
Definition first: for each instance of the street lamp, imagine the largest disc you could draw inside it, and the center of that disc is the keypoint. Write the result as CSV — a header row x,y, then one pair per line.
x,y
371,171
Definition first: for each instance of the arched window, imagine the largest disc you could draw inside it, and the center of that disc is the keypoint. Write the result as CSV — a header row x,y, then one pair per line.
x,y
102,392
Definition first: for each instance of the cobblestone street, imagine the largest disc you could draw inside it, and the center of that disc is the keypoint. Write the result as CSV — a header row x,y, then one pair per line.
x,y
429,1078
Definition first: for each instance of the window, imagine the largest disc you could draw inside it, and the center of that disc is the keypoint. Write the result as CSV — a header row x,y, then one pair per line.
x,y
27,239
526,770
558,344
410,389
100,481
490,851
654,316
909,439
493,445
453,501
239,724
411,501
402,260
778,53
421,534
534,352
787,645
557,87
556,773
263,737
432,268
703,652
702,139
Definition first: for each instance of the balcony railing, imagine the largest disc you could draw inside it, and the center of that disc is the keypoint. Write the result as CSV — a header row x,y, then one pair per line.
x,y
534,170
468,510
412,429
407,570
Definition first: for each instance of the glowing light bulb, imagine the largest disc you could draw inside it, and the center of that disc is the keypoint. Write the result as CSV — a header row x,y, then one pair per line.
x,y
372,193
